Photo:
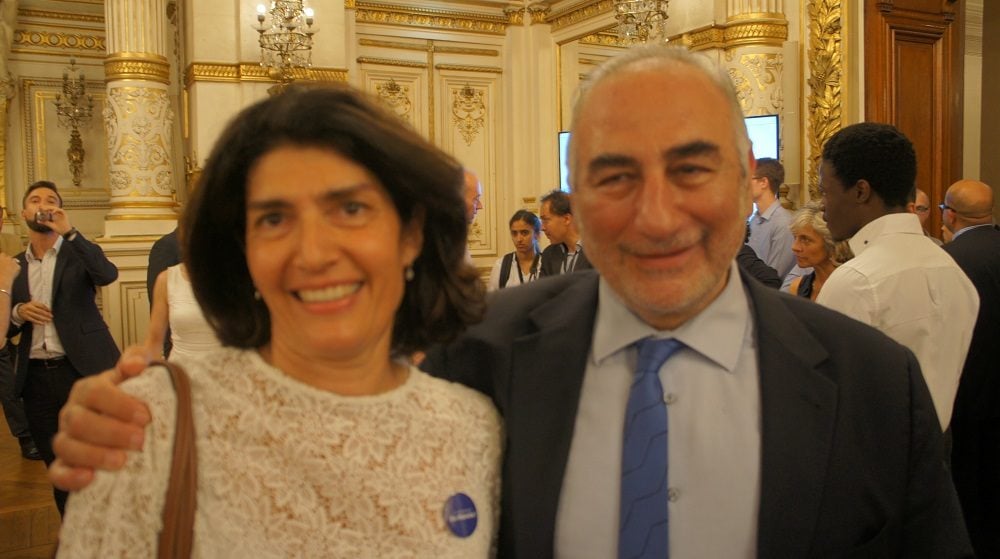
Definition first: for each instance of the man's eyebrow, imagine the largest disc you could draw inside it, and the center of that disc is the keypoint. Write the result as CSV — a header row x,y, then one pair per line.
x,y
691,149
607,160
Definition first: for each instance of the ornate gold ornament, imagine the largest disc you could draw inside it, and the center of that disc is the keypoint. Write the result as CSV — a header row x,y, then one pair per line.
x,y
640,21
137,66
515,15
425,47
396,97
756,33
138,121
468,110
539,13
390,14
73,110
581,13
49,41
606,39
825,70
744,91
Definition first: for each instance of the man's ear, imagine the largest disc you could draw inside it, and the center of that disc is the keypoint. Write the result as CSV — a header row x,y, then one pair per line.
x,y
862,191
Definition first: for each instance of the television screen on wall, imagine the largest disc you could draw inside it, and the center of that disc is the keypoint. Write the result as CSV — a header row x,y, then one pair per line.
x,y
763,131
564,161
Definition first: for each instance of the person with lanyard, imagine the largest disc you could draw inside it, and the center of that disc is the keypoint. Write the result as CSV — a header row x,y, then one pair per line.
x,y
565,251
524,230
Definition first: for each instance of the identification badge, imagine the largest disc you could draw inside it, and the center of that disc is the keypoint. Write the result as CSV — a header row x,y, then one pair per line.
x,y
460,515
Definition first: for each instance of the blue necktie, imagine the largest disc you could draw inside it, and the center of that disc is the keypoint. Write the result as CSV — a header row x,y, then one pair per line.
x,y
643,514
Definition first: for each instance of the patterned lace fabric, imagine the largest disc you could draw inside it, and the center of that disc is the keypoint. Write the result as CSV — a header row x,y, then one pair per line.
x,y
286,470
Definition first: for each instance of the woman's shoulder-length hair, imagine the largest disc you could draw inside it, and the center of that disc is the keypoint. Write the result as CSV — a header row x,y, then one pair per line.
x,y
445,294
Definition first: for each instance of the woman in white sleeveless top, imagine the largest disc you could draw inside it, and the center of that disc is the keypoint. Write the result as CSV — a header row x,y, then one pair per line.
x,y
174,305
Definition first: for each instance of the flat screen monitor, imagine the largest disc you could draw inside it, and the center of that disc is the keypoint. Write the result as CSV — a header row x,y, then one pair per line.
x,y
564,161
763,131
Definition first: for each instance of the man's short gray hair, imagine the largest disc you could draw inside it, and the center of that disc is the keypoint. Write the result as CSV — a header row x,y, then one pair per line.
x,y
653,55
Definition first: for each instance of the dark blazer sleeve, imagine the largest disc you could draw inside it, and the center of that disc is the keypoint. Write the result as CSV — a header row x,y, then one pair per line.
x,y
164,253
752,264
552,259
97,266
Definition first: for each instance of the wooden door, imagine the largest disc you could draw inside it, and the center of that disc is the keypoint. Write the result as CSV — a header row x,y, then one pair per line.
x,y
913,80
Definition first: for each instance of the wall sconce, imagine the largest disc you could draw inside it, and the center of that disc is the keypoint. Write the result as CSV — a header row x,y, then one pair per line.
x,y
74,109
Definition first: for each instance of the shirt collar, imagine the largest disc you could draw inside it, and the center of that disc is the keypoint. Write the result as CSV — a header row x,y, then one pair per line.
x,y
717,332
30,256
766,214
889,224
970,228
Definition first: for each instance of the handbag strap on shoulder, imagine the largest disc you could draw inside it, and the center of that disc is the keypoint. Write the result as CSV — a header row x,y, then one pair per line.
x,y
177,535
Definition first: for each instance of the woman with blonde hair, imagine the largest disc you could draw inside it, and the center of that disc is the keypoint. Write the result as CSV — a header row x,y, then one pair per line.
x,y
814,248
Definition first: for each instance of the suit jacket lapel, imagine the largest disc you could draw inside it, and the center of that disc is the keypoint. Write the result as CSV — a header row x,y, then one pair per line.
x,y
547,369
798,410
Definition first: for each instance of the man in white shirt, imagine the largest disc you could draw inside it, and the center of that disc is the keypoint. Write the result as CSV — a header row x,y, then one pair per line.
x,y
770,236
899,281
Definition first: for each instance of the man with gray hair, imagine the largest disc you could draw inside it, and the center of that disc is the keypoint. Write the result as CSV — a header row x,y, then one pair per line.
x,y
777,428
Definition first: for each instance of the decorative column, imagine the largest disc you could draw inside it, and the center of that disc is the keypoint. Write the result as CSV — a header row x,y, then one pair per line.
x,y
138,119
754,38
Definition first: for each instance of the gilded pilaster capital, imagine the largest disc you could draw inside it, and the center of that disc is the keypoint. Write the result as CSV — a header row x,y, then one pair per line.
x,y
539,13
136,66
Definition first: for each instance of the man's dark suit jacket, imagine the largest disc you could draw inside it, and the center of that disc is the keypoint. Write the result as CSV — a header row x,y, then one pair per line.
x,y
975,423
80,267
164,253
977,252
553,257
851,457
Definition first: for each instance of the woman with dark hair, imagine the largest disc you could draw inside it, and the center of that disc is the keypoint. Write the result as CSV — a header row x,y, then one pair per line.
x,y
522,265
325,243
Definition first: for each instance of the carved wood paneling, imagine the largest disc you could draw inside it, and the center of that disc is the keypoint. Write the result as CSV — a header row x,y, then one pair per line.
x,y
913,80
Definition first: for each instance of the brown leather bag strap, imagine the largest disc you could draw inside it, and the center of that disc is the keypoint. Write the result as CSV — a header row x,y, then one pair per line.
x,y
177,535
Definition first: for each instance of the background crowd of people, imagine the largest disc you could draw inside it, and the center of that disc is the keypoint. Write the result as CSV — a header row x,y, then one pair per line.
x,y
639,388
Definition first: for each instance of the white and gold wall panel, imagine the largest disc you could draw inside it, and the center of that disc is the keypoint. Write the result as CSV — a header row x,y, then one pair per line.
x,y
139,120
45,143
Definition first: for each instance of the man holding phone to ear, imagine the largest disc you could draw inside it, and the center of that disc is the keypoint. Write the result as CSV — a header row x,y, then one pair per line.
x,y
63,335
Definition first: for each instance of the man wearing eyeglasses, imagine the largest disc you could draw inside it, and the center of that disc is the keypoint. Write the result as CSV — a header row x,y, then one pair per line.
x,y
967,212
898,281
921,206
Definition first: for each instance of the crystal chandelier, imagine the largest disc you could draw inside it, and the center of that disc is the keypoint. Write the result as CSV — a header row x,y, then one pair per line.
x,y
642,20
286,32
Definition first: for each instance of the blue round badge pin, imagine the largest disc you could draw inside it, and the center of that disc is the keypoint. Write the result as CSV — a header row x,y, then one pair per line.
x,y
460,515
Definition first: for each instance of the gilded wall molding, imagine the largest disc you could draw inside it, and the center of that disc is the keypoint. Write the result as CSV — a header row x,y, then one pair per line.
x,y
424,47
253,72
137,66
349,4
712,37
57,42
824,101
756,33
391,62
757,80
68,16
468,68
580,12
391,14
605,39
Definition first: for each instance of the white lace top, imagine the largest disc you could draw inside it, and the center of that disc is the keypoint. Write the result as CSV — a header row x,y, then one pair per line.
x,y
287,470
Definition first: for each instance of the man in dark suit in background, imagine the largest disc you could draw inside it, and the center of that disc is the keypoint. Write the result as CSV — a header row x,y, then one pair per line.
x,y
793,430
63,335
565,251
967,213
